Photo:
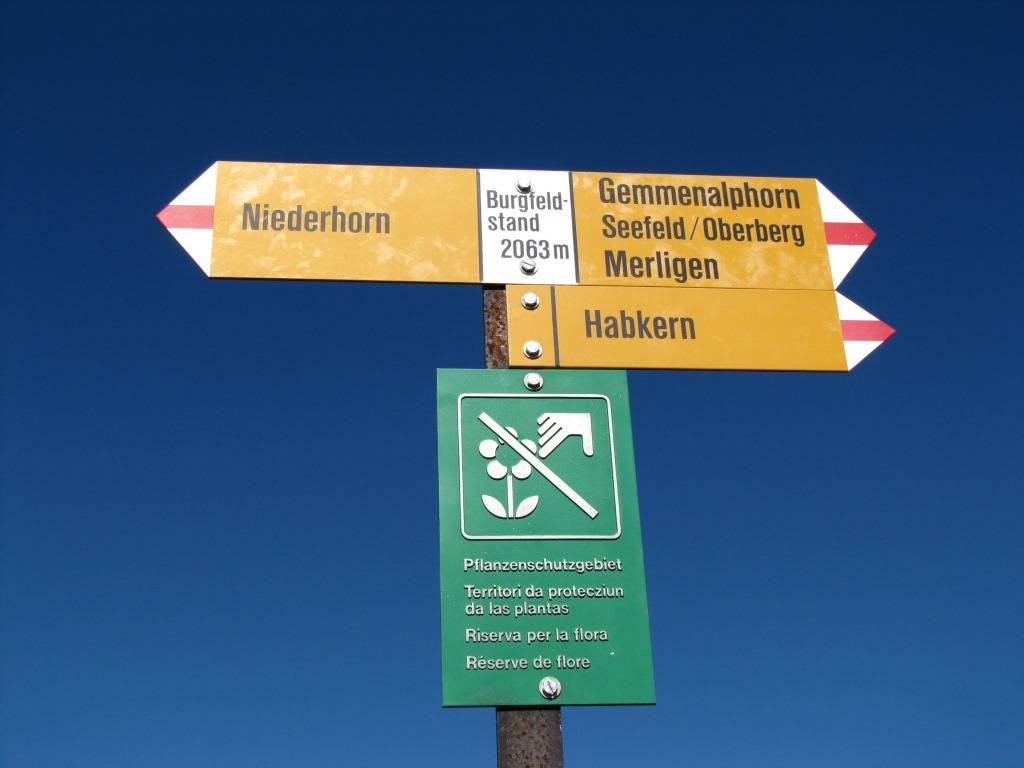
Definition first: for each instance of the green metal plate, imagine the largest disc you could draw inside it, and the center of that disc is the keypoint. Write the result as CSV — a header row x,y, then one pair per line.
x,y
542,571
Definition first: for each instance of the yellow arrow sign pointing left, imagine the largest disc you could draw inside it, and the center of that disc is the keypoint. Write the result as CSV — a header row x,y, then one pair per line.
x,y
330,222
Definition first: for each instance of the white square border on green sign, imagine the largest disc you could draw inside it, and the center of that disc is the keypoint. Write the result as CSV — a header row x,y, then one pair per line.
x,y
568,537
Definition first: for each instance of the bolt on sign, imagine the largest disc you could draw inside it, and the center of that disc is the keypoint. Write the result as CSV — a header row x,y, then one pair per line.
x,y
543,597
459,225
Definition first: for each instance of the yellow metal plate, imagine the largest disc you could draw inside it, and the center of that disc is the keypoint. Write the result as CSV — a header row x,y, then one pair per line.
x,y
344,222
699,231
677,328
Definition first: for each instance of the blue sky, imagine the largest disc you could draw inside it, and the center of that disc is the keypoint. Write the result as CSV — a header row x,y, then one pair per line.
x,y
219,498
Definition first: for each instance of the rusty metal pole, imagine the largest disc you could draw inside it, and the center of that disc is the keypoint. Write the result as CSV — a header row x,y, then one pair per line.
x,y
527,737
495,327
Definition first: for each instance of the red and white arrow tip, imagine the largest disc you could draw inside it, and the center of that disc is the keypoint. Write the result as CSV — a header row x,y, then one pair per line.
x,y
189,218
862,332
846,235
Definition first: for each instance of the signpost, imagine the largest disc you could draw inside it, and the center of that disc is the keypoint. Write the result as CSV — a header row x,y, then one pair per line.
x,y
543,592
543,598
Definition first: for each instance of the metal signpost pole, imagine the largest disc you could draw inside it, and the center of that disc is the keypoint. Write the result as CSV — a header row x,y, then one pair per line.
x,y
526,736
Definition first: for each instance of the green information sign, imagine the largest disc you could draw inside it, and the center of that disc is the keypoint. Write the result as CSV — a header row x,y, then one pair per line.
x,y
543,599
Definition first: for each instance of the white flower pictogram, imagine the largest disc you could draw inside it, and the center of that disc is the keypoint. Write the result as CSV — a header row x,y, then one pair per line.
x,y
497,470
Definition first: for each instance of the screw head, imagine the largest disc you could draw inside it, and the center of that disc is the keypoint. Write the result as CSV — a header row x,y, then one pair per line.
x,y
528,267
530,300
524,185
550,688
533,381
533,350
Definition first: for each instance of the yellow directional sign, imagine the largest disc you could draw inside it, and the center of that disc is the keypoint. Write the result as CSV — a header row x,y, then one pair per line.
x,y
457,225
707,231
687,328
330,222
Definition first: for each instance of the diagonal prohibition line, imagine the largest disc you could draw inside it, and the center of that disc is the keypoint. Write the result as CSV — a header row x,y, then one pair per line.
x,y
536,463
